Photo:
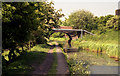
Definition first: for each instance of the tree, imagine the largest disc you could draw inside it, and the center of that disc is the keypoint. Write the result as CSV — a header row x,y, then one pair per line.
x,y
18,23
113,23
103,20
50,19
100,23
65,22
81,19
24,22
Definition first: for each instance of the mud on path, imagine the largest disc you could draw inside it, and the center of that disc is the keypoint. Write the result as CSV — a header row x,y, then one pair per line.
x,y
45,66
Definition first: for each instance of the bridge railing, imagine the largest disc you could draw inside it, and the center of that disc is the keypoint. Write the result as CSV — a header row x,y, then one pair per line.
x,y
73,30
89,32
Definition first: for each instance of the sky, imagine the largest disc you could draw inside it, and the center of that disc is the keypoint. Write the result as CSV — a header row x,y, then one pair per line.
x,y
97,7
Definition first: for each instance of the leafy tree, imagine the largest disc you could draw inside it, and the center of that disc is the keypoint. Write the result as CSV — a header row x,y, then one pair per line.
x,y
100,23
113,23
103,20
81,19
51,18
18,22
24,22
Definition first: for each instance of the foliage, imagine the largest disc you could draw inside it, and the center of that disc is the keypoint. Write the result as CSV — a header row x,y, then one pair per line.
x,y
57,39
100,24
103,19
16,21
65,23
81,19
57,34
27,22
77,65
113,23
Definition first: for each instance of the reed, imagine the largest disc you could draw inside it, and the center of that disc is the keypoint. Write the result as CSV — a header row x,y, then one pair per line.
x,y
105,43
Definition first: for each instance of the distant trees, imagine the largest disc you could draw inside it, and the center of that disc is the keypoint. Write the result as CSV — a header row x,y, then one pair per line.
x,y
25,23
81,19
103,19
101,23
113,23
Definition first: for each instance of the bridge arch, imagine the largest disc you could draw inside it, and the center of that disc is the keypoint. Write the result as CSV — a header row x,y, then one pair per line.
x,y
68,32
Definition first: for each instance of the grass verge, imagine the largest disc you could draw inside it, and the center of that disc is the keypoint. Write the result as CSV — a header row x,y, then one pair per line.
x,y
23,65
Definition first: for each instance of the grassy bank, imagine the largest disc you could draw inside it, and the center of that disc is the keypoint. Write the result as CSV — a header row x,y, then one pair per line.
x,y
105,43
76,66
23,65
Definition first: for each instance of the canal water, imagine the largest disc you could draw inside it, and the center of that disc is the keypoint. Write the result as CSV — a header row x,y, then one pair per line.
x,y
105,69
99,63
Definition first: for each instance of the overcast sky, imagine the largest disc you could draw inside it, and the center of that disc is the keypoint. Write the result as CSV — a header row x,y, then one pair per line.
x,y
97,7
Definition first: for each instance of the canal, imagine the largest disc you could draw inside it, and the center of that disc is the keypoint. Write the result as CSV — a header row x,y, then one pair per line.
x,y
87,62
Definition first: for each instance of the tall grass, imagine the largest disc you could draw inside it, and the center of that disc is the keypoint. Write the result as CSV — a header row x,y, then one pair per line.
x,y
106,43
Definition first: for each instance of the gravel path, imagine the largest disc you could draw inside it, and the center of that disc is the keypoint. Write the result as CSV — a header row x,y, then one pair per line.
x,y
45,66
62,67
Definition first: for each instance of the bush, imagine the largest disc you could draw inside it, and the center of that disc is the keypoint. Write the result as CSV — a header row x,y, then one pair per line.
x,y
41,40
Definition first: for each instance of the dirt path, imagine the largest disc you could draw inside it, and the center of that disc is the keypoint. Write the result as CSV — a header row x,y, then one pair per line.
x,y
62,67
46,65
